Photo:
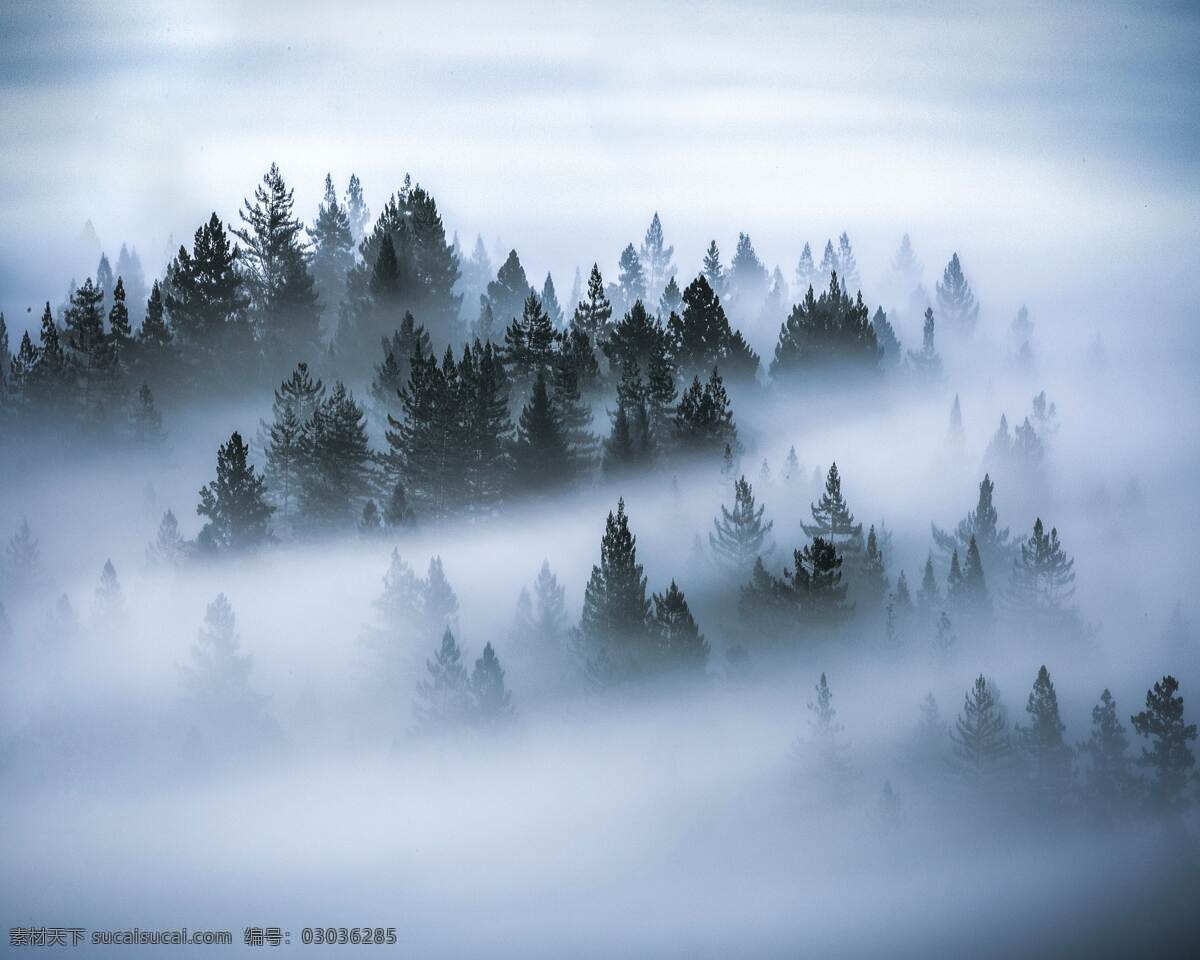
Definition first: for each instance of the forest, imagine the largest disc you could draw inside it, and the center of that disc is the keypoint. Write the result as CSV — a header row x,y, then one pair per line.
x,y
373,472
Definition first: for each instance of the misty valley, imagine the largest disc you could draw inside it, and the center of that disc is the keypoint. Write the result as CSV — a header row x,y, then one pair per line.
x,y
351,577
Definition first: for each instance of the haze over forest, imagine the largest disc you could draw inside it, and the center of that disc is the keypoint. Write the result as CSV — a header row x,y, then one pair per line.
x,y
643,480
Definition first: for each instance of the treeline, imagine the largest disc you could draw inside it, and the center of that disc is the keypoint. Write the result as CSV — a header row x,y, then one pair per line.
x,y
243,304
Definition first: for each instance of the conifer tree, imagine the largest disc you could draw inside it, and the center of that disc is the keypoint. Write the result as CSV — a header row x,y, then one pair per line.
x,y
1169,758
631,281
206,297
955,299
443,702
955,437
833,520
826,734
540,625
217,680
119,331
740,537
540,453
614,629
154,336
396,512
806,269
575,367
529,345
370,520
332,249
681,645
336,462
885,335
980,734
491,703
168,549
747,280
439,604
926,364
630,443
593,313
872,583
509,292
713,270
704,418
905,262
47,372
975,597
550,304
145,422
830,331
671,300
829,262
633,339
401,604
655,257
285,438
91,350
849,266
110,600
817,584
235,502
701,337
1110,782
1043,584
486,429
982,523
1044,744
944,639
22,561
357,212
408,340
928,599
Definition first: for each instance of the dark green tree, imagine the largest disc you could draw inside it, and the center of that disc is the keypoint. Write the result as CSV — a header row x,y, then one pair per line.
x,y
704,418
540,454
593,314
982,523
235,503
980,734
926,364
833,520
1045,747
740,536
336,463
681,645
491,703
1110,785
830,332
443,702
1169,758
510,290
1043,585
713,270
956,302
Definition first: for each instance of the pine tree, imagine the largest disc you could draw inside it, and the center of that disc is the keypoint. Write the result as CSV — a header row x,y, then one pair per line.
x,y
1043,584
540,454
712,269
401,605
747,280
540,626
169,549
528,345
849,266
1110,782
443,701
903,598
396,512
806,269
982,523
154,335
740,537
336,462
235,502
206,296
46,372
872,583
332,249
356,209
439,605
980,735
956,302
22,561
955,437
145,422
491,703
630,442
830,331
486,429
928,599
90,349
129,270
119,331
631,281
509,292
817,584
905,262
944,639
110,600
702,337
826,734
614,629
681,644
927,365
655,257
409,340
671,300
594,313
891,355
370,520
704,418
974,595
829,262
575,366
550,304
285,438
1043,743
833,520
217,680
1169,757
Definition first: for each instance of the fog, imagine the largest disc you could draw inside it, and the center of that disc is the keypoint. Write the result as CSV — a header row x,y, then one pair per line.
x,y
300,768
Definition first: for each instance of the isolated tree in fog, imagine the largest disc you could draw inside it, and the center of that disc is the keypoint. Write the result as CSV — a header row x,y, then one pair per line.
x,y
1043,582
806,269
491,703
956,302
885,335
401,604
833,520
905,262
739,536
926,363
871,583
829,262
1043,743
848,264
826,733
1110,782
217,680
1169,757
681,645
439,603
443,699
614,626
145,422
655,257
982,523
168,550
235,503
510,290
540,624
980,735
713,270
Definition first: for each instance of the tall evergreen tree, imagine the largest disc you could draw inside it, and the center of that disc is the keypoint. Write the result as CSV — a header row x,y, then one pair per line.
x,y
1043,584
119,331
336,475
849,266
509,292
956,302
486,428
871,584
631,281
154,334
1045,746
833,520
681,645
168,550
332,249
206,296
235,502
885,335
443,701
1169,758
982,523
806,269
655,256
748,279
145,422
575,366
926,364
614,629
296,401
713,270
540,453
551,305
980,734
217,680
593,313
357,212
630,444
704,418
817,584
491,703
701,337
1110,782
739,536
540,626
830,331
905,262
670,301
